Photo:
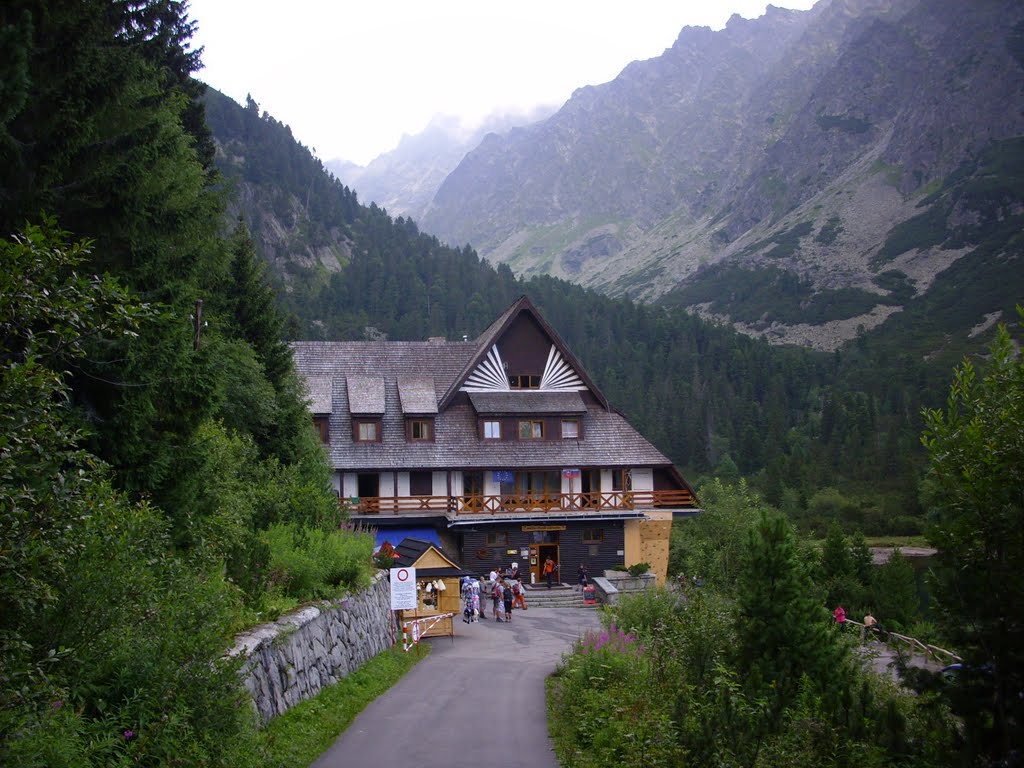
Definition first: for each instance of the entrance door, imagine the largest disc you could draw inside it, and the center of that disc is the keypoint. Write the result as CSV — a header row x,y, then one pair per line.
x,y
590,487
544,551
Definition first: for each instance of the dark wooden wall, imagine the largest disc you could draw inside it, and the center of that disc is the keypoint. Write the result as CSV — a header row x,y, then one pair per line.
x,y
572,550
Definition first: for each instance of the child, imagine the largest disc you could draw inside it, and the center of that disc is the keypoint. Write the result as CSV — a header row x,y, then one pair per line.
x,y
518,596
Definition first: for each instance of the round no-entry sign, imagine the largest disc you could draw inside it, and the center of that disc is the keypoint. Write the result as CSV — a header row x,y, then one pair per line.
x,y
403,589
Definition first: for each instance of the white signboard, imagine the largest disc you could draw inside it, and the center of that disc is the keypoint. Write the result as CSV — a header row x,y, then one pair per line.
x,y
403,589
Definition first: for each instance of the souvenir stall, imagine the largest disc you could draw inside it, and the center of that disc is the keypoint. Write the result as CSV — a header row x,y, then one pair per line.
x,y
437,584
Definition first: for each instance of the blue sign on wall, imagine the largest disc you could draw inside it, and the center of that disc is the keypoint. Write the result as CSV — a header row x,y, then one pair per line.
x,y
504,476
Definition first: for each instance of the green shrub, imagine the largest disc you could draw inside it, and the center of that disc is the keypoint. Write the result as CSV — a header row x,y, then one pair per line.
x,y
603,706
308,563
639,569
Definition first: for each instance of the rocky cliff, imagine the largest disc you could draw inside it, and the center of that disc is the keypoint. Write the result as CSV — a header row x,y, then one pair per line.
x,y
826,166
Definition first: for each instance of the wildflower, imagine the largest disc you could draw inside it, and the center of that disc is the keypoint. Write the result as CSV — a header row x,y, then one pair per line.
x,y
128,735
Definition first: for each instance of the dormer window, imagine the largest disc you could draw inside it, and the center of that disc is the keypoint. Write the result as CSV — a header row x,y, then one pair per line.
x,y
419,430
492,429
531,430
523,381
323,428
366,430
570,429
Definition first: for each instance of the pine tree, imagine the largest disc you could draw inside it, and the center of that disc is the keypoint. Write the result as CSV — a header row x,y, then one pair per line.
x,y
894,591
782,628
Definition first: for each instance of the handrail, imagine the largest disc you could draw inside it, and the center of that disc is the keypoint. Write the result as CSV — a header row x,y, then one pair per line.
x,y
925,649
477,504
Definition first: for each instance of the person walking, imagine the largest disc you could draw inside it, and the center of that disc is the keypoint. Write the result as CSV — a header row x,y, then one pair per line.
x,y
549,570
839,614
581,575
506,597
498,606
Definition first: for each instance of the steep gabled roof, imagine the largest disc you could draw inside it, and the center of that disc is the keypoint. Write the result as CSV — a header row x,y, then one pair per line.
x,y
487,340
411,551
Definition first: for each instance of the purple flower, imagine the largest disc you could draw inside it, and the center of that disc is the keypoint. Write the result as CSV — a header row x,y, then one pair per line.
x,y
56,704
128,735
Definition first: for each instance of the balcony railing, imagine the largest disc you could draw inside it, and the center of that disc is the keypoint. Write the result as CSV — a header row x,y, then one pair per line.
x,y
518,503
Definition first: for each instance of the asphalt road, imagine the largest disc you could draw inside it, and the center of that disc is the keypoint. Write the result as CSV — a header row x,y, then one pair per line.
x,y
477,701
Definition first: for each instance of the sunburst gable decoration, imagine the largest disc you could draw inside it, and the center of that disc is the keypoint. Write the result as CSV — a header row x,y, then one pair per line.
x,y
490,375
558,374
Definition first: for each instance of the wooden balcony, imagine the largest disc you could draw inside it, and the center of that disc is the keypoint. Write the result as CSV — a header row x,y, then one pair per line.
x,y
516,503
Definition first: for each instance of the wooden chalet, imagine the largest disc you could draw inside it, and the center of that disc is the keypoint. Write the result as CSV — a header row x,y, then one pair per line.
x,y
502,445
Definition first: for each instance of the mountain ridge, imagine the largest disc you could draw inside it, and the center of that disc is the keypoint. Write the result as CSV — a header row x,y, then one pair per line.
x,y
822,129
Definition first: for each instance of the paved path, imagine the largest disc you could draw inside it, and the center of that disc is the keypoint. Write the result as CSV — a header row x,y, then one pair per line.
x,y
881,658
442,714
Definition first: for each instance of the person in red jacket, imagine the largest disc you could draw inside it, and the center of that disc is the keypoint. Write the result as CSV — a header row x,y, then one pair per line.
x,y
840,616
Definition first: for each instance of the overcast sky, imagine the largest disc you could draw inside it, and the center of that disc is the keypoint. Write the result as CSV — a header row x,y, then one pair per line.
x,y
351,76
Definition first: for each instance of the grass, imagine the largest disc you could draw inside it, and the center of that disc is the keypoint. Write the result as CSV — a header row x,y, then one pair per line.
x,y
303,733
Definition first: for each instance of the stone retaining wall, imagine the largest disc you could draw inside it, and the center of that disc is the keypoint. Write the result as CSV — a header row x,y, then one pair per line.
x,y
292,659
614,584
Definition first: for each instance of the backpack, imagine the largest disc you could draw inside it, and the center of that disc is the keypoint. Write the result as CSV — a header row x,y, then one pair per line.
x,y
516,589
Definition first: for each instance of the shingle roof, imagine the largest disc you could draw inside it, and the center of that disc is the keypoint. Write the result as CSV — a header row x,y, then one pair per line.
x,y
365,395
608,439
319,389
417,394
527,401
409,550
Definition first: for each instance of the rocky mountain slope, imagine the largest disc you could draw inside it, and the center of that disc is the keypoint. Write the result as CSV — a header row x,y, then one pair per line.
x,y
822,167
404,180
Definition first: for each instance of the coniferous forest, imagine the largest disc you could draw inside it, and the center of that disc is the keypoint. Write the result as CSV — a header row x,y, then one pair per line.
x,y
161,486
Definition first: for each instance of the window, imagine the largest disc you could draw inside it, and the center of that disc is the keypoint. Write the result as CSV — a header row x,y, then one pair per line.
x,y
492,430
421,484
593,535
419,429
497,539
536,483
570,428
523,381
531,430
367,431
473,483
621,481
323,426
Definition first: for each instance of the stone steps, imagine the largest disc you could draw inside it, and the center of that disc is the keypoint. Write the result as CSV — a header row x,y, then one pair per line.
x,y
556,597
